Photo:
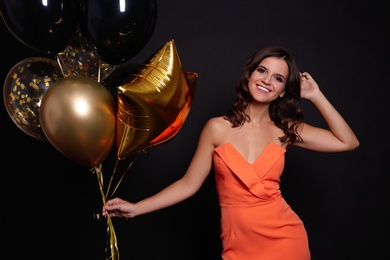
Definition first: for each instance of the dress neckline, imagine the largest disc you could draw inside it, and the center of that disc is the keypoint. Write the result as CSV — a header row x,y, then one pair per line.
x,y
271,143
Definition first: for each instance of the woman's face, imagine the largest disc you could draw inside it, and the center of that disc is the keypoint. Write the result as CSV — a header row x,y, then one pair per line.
x,y
267,82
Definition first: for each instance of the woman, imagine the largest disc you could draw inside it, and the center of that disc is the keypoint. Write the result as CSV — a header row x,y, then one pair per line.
x,y
247,146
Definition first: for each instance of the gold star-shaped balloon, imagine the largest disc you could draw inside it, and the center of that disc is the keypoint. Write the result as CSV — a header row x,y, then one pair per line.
x,y
153,102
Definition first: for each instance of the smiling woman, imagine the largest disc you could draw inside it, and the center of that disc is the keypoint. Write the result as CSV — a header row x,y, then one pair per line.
x,y
269,78
264,121
340,197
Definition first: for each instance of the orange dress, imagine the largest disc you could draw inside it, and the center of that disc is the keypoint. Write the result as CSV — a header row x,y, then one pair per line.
x,y
256,222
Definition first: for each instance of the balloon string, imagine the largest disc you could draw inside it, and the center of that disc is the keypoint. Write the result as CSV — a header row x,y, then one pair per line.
x,y
112,242
111,236
60,65
123,175
112,177
99,67
99,174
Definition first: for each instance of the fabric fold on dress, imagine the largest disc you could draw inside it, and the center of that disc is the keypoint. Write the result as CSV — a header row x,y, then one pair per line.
x,y
245,172
256,222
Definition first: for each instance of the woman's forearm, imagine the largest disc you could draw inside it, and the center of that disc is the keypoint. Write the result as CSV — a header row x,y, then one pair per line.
x,y
336,123
173,194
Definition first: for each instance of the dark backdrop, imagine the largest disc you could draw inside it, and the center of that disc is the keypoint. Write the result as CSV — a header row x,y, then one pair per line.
x,y
49,202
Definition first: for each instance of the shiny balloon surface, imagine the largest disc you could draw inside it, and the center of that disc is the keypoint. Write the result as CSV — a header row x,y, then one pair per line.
x,y
23,89
45,26
153,102
118,30
78,118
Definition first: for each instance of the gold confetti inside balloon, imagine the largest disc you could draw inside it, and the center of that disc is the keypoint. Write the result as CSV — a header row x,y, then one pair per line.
x,y
79,58
78,117
153,102
23,89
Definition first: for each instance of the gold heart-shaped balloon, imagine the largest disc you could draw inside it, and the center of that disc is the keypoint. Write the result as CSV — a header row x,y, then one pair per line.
x,y
153,102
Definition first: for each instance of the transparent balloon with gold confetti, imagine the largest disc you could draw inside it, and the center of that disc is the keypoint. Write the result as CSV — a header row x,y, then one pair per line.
x,y
24,87
79,59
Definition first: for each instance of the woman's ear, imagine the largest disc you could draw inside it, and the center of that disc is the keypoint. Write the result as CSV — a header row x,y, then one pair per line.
x,y
282,94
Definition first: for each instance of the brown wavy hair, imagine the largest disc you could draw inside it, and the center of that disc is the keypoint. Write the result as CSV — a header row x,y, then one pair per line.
x,y
285,111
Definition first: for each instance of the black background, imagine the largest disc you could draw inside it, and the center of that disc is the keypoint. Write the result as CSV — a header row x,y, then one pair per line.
x,y
49,202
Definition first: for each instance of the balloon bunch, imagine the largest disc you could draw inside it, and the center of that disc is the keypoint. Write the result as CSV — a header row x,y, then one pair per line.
x,y
83,120
77,40
86,100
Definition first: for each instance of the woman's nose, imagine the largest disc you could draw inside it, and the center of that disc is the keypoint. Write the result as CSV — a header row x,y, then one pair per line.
x,y
267,79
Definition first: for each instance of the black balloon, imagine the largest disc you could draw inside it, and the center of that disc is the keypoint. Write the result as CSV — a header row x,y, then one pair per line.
x,y
118,76
118,30
44,26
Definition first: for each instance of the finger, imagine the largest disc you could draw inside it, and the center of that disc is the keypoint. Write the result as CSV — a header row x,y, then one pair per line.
x,y
112,202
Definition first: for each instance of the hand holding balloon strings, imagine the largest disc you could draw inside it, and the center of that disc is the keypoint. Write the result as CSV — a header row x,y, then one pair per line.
x,y
62,101
163,106
150,113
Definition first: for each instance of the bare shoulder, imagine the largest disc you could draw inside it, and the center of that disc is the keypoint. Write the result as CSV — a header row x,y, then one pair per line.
x,y
217,125
216,129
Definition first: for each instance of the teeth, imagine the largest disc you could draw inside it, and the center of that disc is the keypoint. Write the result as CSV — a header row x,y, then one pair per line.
x,y
263,88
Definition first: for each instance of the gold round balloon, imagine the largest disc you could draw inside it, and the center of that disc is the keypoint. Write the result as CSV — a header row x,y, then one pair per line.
x,y
78,116
153,102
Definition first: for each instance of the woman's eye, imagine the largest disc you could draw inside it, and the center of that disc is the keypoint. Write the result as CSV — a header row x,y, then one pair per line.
x,y
280,79
261,70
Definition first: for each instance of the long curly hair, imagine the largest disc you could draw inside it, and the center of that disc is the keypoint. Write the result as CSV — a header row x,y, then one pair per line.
x,y
285,111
